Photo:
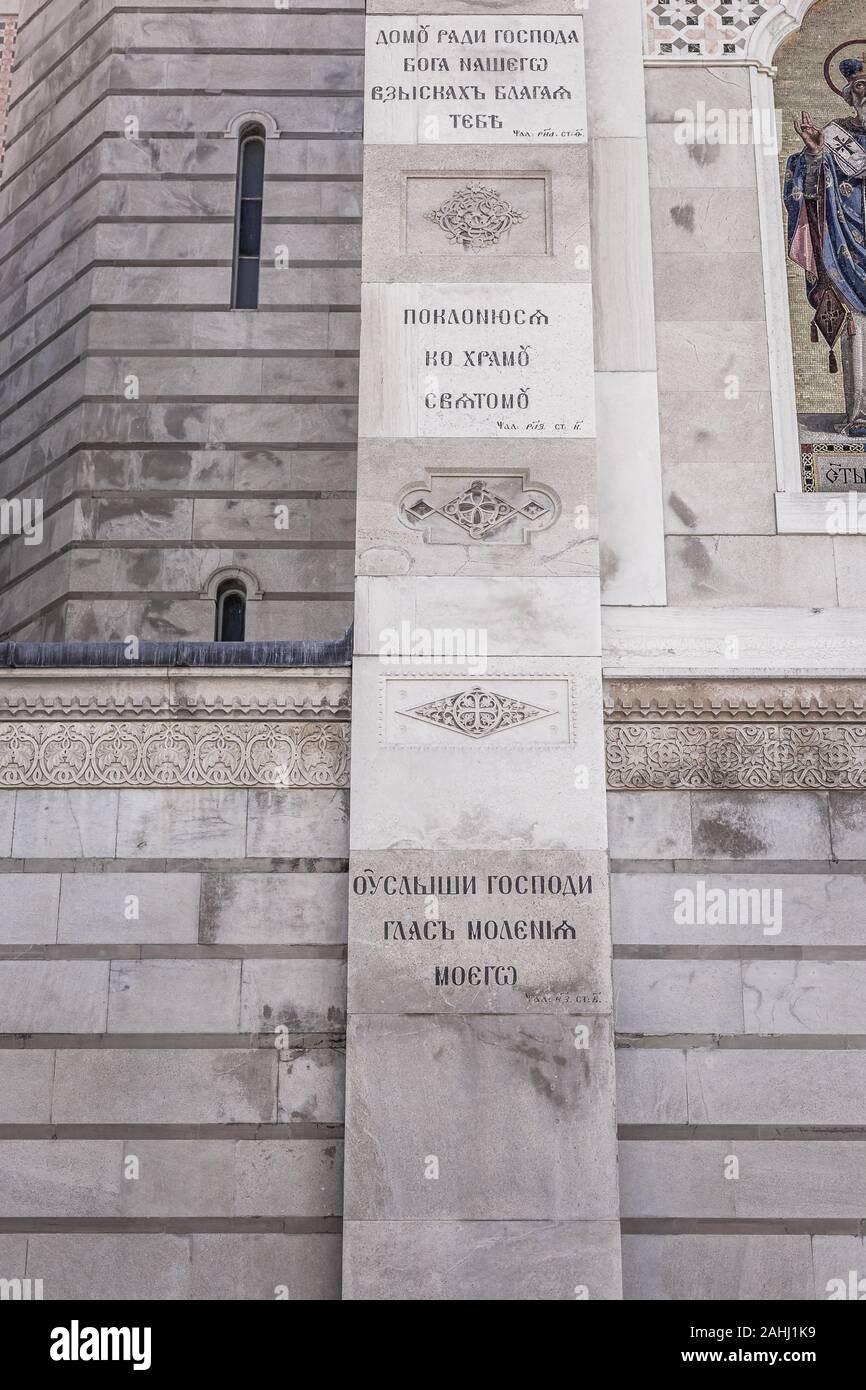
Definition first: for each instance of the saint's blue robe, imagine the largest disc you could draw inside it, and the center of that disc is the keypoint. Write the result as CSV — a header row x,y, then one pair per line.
x,y
843,250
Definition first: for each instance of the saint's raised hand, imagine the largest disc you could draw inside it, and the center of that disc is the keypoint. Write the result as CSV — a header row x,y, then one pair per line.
x,y
812,137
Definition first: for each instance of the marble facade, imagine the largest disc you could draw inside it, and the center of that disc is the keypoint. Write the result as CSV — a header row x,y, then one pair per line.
x,y
463,972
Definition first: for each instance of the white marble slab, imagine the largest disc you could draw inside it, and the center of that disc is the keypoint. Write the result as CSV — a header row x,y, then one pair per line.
x,y
474,79
461,361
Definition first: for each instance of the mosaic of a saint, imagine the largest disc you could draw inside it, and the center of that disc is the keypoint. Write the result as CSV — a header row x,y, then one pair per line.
x,y
825,198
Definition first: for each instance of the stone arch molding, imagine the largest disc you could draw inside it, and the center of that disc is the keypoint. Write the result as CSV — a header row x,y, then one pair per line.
x,y
245,118
774,27
251,584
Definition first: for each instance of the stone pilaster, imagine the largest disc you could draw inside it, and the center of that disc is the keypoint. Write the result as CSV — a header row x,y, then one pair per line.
x,y
481,1159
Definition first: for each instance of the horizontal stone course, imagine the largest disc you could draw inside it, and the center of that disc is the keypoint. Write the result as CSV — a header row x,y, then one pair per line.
x,y
668,996
521,1261
161,1086
774,1179
58,996
699,1268
214,1267
820,1087
729,825
65,1178
674,909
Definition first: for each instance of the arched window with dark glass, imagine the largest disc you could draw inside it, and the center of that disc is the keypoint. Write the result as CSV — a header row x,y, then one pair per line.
x,y
248,218
231,611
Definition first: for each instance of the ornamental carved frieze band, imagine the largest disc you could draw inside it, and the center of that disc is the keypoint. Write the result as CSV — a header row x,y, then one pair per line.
x,y
736,756
476,216
156,753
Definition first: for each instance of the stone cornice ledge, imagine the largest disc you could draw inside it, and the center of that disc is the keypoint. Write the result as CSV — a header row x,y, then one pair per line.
x,y
729,702
176,694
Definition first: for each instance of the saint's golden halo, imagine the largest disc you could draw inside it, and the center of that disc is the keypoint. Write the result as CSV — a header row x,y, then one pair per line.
x,y
850,43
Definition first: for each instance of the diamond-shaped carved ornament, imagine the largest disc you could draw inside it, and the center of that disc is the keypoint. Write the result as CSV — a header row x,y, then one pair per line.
x,y
477,713
479,511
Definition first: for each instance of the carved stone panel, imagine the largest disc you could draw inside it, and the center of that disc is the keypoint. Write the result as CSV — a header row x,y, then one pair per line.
x,y
420,511
477,216
493,510
443,711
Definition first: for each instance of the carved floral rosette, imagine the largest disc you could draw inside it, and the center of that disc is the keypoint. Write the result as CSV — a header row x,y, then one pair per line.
x,y
157,753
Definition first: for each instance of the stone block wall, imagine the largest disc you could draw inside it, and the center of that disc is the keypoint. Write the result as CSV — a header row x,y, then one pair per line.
x,y
172,983
167,437
8,21
739,532
738,841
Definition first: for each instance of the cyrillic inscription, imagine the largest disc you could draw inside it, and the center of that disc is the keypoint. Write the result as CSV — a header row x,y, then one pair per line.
x,y
452,79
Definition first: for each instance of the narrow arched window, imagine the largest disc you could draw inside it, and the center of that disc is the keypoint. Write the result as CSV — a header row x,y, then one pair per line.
x,y
231,611
248,218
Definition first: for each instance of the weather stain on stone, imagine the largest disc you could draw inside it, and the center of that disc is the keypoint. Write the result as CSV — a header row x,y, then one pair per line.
x,y
176,419
697,558
143,572
608,561
704,154
682,510
217,891
535,1054
544,1087
169,465
683,215
730,841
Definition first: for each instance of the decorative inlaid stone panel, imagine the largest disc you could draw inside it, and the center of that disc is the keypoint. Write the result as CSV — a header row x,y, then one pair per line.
x,y
702,28
157,753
